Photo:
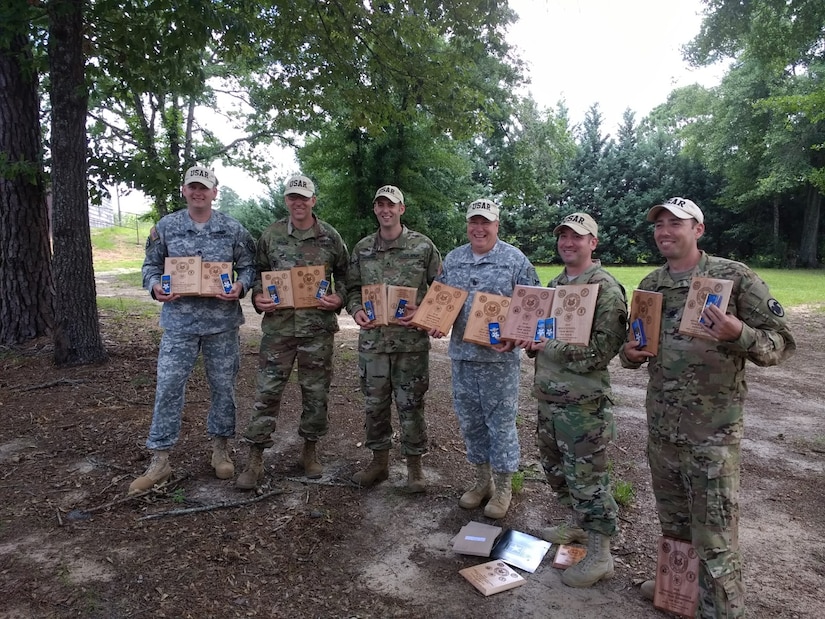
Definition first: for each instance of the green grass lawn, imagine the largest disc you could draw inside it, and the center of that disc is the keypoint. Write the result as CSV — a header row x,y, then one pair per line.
x,y
790,286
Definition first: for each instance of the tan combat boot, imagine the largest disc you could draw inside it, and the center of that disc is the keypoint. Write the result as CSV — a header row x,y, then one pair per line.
x,y
254,472
221,462
565,533
377,470
596,565
158,471
312,468
497,506
483,488
415,476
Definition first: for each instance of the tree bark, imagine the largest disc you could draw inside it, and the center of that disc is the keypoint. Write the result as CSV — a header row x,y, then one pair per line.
x,y
810,229
77,337
25,256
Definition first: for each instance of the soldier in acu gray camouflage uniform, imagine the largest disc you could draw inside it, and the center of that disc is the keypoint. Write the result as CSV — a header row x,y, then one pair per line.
x,y
486,380
196,324
393,360
695,397
575,417
292,335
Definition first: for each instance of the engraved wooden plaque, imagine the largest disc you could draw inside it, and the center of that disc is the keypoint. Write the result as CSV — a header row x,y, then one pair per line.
x,y
677,577
185,274
647,306
528,305
377,293
282,280
394,295
573,308
486,308
305,282
211,284
441,306
700,288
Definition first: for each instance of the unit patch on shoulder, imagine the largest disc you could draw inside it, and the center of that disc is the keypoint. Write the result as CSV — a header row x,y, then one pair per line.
x,y
776,308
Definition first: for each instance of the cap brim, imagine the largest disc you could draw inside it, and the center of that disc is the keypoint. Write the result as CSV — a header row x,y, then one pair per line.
x,y
653,213
574,227
390,197
200,181
485,214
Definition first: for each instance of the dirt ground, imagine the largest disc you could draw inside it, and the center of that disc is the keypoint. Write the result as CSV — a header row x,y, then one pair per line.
x,y
71,440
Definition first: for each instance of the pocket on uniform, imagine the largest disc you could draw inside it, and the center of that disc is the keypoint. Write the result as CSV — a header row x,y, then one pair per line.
x,y
721,494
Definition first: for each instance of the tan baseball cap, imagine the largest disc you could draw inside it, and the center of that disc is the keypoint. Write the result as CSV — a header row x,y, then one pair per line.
x,y
581,223
391,192
202,175
485,208
681,207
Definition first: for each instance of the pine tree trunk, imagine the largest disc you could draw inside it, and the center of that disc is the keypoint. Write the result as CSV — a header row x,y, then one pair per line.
x,y
77,329
25,256
810,229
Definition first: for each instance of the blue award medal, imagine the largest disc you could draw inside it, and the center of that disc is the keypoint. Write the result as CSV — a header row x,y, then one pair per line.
x,y
540,327
550,328
495,333
227,283
402,307
323,286
272,289
712,299
639,333
370,310
166,284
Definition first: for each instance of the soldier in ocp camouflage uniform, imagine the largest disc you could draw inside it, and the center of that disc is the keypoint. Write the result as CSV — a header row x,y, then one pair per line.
x,y
292,335
393,360
695,397
195,324
486,380
575,417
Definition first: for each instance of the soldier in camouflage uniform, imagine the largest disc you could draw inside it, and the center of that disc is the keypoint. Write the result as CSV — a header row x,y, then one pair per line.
x,y
305,335
486,380
393,360
575,417
695,397
196,324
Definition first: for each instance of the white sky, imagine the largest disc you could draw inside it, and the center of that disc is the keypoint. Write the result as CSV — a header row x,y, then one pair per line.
x,y
619,53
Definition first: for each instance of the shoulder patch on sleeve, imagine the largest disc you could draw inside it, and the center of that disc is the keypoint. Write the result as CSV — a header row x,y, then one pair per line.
x,y
776,308
153,234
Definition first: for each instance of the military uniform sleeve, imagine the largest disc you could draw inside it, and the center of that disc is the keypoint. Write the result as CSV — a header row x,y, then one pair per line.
x,y
244,258
154,260
434,264
354,282
339,270
606,338
766,338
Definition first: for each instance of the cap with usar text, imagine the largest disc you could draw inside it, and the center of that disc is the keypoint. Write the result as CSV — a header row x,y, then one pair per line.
x,y
301,185
681,207
580,223
391,193
202,175
485,208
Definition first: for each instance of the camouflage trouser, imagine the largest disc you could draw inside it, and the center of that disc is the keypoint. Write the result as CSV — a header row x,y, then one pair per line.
x,y
276,358
485,397
697,497
573,440
405,376
176,358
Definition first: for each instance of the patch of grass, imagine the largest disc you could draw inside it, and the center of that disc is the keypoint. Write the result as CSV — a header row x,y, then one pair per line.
x,y
127,305
518,482
791,287
119,247
623,493
178,496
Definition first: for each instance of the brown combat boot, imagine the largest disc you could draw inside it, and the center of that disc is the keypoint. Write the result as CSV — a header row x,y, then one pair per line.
x,y
565,533
597,564
415,476
377,470
497,506
221,462
312,468
483,488
254,472
159,470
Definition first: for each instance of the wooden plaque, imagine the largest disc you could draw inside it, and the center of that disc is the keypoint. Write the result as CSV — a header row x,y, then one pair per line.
x,y
486,308
211,284
185,273
700,288
282,280
677,577
573,309
394,295
568,556
305,282
377,293
492,577
647,306
441,306
528,305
